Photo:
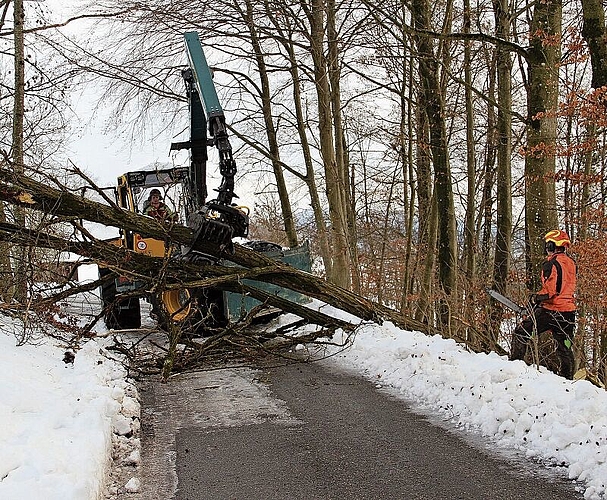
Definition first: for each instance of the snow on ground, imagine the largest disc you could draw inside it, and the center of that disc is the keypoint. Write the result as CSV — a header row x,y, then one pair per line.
x,y
550,419
61,422
69,419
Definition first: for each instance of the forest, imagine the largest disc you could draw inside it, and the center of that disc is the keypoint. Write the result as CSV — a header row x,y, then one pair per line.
x,y
423,149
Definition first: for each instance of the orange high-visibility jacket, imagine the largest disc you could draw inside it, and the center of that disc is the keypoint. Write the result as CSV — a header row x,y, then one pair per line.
x,y
558,282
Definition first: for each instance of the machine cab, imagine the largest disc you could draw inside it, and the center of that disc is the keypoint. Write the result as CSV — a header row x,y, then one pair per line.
x,y
133,194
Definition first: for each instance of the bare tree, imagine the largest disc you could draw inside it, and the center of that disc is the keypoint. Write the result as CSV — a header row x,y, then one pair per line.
x,y
434,100
17,142
594,32
362,105
540,157
503,246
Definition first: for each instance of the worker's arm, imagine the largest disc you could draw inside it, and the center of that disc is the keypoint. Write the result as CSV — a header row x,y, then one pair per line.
x,y
549,282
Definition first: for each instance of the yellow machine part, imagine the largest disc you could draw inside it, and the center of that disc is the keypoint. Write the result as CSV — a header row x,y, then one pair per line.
x,y
148,246
177,303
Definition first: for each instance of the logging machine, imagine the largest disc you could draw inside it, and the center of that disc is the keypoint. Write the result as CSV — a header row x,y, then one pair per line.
x,y
213,222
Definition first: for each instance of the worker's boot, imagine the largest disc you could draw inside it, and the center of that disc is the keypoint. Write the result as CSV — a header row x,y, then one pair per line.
x,y
518,348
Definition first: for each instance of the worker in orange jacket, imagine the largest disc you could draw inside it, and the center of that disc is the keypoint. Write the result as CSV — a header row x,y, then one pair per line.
x,y
554,304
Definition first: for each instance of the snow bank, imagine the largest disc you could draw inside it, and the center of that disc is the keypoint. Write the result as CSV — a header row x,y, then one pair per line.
x,y
546,417
57,419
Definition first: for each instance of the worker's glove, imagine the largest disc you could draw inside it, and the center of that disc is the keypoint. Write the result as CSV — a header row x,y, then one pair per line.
x,y
535,299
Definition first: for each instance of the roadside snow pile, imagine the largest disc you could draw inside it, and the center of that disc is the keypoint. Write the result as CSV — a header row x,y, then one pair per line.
x,y
62,419
560,422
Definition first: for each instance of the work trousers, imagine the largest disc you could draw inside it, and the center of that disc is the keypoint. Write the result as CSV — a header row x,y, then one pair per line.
x,y
561,324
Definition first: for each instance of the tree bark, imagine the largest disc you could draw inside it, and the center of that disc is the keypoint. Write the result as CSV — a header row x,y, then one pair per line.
x,y
333,172
470,247
409,185
342,158
426,243
424,313
486,205
503,245
266,106
435,110
19,277
595,35
540,160
310,176
6,270
23,191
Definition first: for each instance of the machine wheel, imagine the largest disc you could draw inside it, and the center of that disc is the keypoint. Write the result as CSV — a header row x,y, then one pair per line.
x,y
263,246
197,311
128,316
208,312
119,315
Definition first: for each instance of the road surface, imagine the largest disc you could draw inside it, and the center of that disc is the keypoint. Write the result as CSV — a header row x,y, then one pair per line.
x,y
311,432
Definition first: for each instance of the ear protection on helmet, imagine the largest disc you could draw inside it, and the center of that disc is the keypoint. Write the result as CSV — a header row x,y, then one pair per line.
x,y
550,246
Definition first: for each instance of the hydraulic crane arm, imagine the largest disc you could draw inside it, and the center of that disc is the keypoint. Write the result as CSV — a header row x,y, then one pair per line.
x,y
203,81
216,220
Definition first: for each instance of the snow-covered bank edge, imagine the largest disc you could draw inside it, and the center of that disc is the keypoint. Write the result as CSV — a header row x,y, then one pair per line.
x,y
518,407
124,471
66,423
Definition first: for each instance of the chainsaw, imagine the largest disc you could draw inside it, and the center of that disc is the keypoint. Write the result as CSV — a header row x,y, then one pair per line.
x,y
518,309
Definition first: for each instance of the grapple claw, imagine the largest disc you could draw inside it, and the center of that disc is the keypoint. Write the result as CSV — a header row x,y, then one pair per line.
x,y
217,224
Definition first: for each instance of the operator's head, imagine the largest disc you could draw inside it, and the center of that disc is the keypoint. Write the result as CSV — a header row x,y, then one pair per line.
x,y
155,196
556,241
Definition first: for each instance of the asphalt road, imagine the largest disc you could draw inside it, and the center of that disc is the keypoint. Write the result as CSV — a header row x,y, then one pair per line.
x,y
310,432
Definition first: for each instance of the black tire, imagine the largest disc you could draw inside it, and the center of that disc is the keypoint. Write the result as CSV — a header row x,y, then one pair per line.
x,y
129,314
119,315
108,296
263,246
207,313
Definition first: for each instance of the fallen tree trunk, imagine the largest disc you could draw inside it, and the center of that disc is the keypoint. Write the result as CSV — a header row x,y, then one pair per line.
x,y
24,191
